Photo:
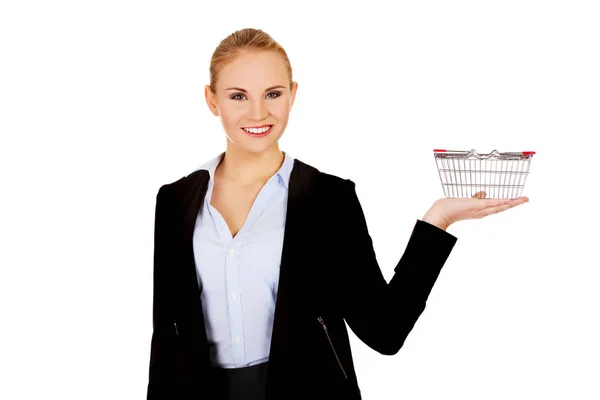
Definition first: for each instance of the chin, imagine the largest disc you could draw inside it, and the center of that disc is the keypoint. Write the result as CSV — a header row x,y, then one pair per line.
x,y
255,145
259,148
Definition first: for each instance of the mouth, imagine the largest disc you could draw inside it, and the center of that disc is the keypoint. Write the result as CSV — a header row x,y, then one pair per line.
x,y
258,131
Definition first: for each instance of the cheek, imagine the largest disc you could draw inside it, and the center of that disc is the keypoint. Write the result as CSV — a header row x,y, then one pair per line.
x,y
280,111
230,116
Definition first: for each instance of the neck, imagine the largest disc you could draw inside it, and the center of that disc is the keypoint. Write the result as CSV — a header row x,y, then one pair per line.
x,y
246,168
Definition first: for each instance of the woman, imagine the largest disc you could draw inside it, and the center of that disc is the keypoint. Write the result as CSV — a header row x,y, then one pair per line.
x,y
260,258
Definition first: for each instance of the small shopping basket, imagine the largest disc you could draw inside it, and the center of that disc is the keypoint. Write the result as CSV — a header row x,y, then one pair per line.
x,y
499,175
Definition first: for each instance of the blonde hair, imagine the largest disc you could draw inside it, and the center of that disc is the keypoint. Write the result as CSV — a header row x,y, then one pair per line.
x,y
241,41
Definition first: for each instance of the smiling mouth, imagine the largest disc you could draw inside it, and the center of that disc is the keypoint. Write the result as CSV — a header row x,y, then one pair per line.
x,y
259,130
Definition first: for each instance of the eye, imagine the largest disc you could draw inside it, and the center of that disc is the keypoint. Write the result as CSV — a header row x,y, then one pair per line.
x,y
277,94
235,96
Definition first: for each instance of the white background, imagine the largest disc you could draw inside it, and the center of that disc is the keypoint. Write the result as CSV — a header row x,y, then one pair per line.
x,y
102,102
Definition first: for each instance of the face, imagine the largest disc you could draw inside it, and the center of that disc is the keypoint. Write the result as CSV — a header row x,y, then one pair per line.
x,y
253,92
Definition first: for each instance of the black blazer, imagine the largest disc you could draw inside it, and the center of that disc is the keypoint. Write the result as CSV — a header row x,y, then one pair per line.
x,y
328,274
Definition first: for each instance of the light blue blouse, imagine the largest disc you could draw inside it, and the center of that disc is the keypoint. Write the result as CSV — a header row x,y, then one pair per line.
x,y
239,276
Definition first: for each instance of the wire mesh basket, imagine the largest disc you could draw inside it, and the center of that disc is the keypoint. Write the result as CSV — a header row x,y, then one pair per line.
x,y
499,175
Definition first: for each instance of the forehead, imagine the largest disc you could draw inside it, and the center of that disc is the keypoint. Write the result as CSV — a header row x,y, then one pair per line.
x,y
254,70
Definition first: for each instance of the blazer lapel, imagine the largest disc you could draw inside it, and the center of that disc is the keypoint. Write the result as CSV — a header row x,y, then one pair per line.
x,y
301,187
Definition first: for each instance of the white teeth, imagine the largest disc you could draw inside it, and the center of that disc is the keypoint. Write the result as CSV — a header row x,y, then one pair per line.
x,y
257,130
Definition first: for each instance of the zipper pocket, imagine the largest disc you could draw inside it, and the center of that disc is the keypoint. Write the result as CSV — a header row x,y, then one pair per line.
x,y
331,344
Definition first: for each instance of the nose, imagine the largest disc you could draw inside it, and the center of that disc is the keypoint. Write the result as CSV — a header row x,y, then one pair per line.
x,y
259,111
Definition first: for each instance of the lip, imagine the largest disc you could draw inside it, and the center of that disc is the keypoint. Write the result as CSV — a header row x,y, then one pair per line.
x,y
257,126
258,135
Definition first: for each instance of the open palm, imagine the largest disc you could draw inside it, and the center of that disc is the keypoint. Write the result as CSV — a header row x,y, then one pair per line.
x,y
453,210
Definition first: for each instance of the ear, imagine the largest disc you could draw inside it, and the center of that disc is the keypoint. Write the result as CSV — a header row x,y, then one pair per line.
x,y
211,100
293,90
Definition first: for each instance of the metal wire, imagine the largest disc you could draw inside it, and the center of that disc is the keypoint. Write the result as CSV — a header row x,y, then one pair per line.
x,y
500,175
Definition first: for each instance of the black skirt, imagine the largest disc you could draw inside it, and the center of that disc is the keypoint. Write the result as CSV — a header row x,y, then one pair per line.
x,y
248,383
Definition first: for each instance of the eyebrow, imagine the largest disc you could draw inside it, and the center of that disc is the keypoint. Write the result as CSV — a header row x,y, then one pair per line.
x,y
266,90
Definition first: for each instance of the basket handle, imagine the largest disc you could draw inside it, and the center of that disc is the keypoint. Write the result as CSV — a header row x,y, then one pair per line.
x,y
443,151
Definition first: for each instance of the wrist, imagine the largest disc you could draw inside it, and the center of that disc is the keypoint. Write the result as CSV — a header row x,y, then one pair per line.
x,y
435,220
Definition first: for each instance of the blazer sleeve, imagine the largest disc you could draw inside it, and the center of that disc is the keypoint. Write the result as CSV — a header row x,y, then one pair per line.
x,y
382,314
162,354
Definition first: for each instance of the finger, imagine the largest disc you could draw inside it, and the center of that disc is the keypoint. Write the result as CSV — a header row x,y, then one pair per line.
x,y
500,208
487,203
479,195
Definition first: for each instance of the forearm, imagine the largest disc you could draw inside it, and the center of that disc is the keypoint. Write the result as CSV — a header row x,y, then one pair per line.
x,y
380,314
